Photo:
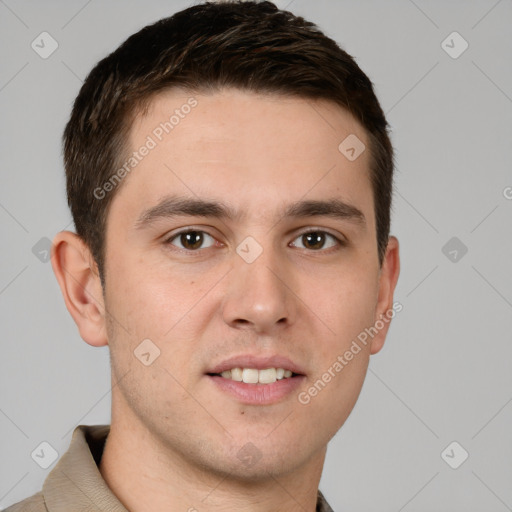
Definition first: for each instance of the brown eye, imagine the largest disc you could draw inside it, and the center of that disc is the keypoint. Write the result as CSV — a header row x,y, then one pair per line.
x,y
192,240
316,240
313,240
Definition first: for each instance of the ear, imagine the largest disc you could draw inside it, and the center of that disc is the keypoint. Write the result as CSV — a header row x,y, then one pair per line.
x,y
388,278
79,281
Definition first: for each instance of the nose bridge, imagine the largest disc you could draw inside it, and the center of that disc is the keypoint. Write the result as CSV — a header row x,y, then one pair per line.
x,y
258,295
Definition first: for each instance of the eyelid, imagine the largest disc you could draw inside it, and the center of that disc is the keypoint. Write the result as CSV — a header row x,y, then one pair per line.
x,y
187,229
320,229
338,236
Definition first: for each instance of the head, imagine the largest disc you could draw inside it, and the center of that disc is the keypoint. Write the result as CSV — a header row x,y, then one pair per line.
x,y
251,46
217,214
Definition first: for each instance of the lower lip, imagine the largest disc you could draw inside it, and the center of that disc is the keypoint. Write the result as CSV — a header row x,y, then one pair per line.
x,y
258,394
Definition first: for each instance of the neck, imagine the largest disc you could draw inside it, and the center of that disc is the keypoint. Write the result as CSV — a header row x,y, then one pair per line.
x,y
146,476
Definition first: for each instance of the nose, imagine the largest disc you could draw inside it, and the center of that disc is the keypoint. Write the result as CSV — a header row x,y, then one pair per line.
x,y
259,295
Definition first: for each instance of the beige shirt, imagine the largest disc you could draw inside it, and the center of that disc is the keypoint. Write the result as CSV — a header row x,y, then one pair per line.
x,y
75,484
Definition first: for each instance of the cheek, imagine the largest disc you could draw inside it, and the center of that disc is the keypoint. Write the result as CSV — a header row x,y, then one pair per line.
x,y
334,387
167,307
151,299
346,302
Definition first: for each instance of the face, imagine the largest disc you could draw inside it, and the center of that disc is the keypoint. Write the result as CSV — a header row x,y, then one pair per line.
x,y
242,238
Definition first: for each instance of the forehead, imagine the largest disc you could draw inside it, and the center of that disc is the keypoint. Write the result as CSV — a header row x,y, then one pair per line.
x,y
264,119
252,150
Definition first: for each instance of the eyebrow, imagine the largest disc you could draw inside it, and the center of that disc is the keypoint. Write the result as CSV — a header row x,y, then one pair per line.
x,y
173,206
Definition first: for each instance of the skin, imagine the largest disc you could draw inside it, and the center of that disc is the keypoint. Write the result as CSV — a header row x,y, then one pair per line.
x,y
174,436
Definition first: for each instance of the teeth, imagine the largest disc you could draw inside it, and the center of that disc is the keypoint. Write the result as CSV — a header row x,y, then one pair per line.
x,y
267,376
255,376
236,374
250,376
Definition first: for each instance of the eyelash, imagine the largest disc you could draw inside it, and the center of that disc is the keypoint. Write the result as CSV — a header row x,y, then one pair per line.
x,y
339,243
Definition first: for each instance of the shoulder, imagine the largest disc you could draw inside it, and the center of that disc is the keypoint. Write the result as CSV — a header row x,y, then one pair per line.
x,y
33,504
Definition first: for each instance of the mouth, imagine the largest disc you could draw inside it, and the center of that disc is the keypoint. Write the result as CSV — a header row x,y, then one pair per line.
x,y
255,376
255,380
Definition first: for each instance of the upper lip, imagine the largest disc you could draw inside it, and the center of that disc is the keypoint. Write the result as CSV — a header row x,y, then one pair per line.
x,y
258,362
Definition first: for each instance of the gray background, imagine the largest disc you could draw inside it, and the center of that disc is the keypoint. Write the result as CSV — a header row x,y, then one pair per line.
x,y
445,372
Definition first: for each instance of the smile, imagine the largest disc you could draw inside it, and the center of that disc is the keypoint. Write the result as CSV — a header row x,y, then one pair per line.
x,y
255,376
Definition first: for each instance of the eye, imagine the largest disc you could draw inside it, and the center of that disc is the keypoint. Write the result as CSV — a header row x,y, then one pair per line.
x,y
191,240
316,240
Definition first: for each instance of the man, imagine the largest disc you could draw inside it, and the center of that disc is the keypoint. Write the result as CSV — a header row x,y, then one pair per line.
x,y
229,173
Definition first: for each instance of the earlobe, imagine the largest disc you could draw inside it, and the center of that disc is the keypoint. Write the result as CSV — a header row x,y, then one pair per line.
x,y
387,282
75,270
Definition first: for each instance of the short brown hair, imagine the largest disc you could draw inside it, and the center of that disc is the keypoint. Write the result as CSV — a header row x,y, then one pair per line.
x,y
249,45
